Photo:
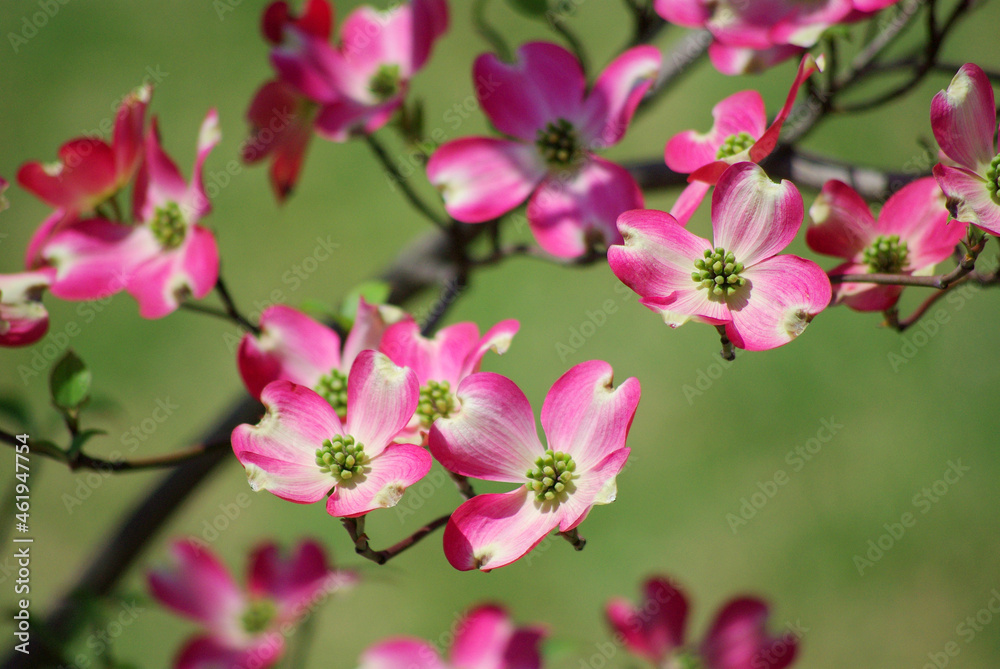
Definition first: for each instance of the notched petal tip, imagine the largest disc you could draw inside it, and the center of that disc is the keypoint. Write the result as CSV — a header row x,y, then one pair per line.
x,y
390,495
796,321
256,477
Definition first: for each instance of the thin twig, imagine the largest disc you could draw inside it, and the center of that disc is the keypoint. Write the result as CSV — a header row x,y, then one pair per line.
x,y
383,157
356,529
231,310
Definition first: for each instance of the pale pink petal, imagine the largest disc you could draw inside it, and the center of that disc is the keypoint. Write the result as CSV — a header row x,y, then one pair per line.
x,y
162,282
291,346
197,586
402,36
388,475
968,194
493,530
401,653
738,639
482,638
842,225
689,200
586,416
964,119
597,486
370,324
617,92
543,85
690,13
785,293
752,216
734,60
381,399
741,112
919,215
657,261
481,178
57,220
492,436
763,146
497,339
654,628
568,214
279,453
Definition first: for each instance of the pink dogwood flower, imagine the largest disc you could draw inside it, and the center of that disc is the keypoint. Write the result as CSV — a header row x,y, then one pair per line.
x,y
964,120
737,638
555,125
294,347
301,451
739,134
738,281
23,318
163,258
486,638
442,362
911,235
243,628
90,170
493,436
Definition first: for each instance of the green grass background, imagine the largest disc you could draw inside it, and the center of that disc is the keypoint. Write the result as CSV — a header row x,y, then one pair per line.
x,y
696,456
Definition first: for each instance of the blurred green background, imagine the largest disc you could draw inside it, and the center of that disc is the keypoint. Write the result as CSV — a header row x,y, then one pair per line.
x,y
705,436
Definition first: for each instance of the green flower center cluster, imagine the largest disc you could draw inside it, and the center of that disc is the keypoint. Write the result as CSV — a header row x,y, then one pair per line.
x,y
886,255
333,388
168,225
993,179
436,401
342,457
735,144
719,272
552,473
258,616
558,143
384,84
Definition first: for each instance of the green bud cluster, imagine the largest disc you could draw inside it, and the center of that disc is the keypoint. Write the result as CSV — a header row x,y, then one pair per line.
x,y
384,84
258,616
168,225
552,473
993,179
886,254
558,143
719,272
436,401
333,388
734,144
341,457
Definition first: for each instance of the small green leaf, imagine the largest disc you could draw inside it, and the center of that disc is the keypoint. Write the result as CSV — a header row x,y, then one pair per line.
x,y
70,382
374,292
531,8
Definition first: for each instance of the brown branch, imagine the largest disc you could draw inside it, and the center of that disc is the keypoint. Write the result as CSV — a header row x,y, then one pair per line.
x,y
356,529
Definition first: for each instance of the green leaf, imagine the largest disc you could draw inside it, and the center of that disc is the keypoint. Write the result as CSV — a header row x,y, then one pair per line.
x,y
374,292
70,382
533,8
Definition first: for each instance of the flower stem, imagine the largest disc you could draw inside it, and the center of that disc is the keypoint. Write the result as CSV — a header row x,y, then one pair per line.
x,y
356,529
727,351
574,538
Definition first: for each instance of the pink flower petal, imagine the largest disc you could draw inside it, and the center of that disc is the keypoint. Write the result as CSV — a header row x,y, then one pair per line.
x,y
196,204
84,176
862,296
58,220
370,324
842,225
765,145
918,214
160,181
316,19
964,119
689,201
481,639
281,123
307,63
440,358
279,453
734,60
968,194
690,13
656,627
381,399
786,292
213,653
567,214
493,435
741,112
493,530
402,36
544,84
162,282
596,486
128,133
481,178
390,473
197,586
291,346
752,216
738,639
609,106
497,339
293,580
401,653
23,318
586,416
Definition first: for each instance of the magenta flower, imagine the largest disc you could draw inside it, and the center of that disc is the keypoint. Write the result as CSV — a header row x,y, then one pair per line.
x,y
737,638
23,318
243,629
964,120
541,102
294,347
911,235
162,259
90,170
493,436
300,450
442,362
763,299
740,133
486,638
